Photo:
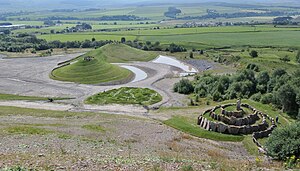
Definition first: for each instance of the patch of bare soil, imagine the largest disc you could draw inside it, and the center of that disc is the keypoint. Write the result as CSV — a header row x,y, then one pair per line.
x,y
126,143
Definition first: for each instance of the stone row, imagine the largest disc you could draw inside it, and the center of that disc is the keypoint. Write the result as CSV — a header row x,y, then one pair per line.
x,y
249,120
229,129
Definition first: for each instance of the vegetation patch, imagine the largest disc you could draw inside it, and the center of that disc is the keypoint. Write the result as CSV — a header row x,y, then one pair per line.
x,y
284,142
126,95
17,97
120,53
96,128
26,130
189,126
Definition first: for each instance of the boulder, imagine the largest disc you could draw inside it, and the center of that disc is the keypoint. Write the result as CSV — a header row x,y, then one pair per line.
x,y
222,128
233,130
213,126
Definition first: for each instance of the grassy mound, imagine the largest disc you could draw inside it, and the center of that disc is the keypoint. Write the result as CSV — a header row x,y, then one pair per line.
x,y
93,71
126,95
120,53
97,69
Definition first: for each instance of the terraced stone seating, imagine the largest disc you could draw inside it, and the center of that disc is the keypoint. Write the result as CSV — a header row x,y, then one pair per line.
x,y
238,122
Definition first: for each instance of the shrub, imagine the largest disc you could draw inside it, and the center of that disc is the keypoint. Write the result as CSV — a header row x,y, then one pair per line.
x,y
256,97
253,67
217,96
284,142
298,56
184,86
254,54
267,98
285,59
191,55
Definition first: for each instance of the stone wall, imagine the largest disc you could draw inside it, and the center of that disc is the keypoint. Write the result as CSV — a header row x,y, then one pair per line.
x,y
232,123
230,129
249,120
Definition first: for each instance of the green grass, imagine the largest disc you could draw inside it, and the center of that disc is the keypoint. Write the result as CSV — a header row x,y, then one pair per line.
x,y
189,126
7,111
17,97
274,38
95,128
83,36
95,71
250,146
120,53
26,130
126,95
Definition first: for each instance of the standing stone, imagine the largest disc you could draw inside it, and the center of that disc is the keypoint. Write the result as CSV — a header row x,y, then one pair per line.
x,y
238,105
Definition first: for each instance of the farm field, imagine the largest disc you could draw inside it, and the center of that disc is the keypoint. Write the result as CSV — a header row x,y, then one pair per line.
x,y
210,37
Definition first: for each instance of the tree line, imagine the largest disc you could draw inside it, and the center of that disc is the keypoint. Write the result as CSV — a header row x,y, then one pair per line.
x,y
279,89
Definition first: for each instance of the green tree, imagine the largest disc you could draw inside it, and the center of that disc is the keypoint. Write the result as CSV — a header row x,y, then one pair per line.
x,y
184,86
284,142
254,54
287,96
298,56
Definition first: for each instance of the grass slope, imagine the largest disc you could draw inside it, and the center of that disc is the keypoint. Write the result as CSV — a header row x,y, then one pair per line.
x,y
95,71
120,53
126,95
17,97
99,70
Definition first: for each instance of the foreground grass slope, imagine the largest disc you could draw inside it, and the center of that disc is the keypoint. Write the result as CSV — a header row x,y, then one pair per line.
x,y
33,98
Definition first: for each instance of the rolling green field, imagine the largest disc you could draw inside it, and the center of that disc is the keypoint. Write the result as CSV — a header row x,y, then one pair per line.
x,y
126,95
84,36
237,36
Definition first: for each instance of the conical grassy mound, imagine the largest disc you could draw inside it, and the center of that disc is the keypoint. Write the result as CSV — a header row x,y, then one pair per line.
x,y
91,68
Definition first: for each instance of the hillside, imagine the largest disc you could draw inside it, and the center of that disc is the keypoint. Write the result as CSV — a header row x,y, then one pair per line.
x,y
94,70
97,68
120,53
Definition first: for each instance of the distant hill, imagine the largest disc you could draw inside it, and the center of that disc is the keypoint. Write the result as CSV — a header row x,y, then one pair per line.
x,y
17,5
